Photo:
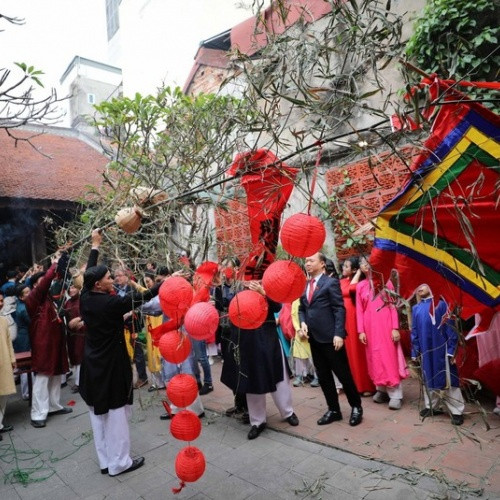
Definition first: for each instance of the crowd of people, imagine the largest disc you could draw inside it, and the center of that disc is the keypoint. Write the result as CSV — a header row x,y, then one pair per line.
x,y
93,323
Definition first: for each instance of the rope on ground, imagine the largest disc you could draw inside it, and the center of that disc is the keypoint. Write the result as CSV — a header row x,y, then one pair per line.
x,y
42,469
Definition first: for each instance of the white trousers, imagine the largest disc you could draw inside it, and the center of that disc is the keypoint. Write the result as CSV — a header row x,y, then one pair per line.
x,y
25,392
452,398
395,392
3,406
76,374
282,398
112,438
46,396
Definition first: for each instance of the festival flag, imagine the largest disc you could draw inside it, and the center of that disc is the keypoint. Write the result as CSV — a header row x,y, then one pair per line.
x,y
268,183
443,227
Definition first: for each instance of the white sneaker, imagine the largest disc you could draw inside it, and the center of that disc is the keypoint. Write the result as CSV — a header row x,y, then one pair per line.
x,y
380,397
210,360
395,404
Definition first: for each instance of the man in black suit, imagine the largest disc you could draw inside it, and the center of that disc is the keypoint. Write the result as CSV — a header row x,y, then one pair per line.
x,y
322,318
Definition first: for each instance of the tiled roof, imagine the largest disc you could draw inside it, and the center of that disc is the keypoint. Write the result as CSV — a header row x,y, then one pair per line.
x,y
68,166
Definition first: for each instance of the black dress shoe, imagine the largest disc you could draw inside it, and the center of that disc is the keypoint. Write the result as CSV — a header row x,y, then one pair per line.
x,y
206,389
429,412
256,430
293,420
235,410
63,411
38,423
136,463
104,471
356,416
329,417
7,428
165,416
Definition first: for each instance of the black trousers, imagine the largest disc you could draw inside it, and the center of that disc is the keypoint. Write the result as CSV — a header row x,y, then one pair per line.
x,y
327,360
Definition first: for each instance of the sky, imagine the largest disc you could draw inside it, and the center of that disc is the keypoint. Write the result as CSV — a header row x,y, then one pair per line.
x,y
54,31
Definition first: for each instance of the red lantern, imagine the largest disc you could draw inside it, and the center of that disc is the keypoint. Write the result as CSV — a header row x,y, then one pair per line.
x,y
185,426
189,466
248,310
201,321
174,346
302,235
284,281
176,295
182,390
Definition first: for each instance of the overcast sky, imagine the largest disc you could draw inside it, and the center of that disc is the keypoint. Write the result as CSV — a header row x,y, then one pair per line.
x,y
57,30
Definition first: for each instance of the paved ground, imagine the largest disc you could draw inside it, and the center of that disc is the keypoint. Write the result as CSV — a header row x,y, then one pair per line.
x,y
331,462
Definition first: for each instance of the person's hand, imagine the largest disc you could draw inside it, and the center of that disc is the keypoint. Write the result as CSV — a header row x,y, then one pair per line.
x,y
338,343
14,366
396,337
304,330
96,238
54,259
255,286
362,337
452,360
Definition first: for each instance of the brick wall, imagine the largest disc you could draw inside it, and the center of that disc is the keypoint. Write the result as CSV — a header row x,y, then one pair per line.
x,y
373,183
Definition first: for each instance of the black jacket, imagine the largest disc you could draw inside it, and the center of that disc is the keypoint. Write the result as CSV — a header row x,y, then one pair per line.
x,y
106,373
325,315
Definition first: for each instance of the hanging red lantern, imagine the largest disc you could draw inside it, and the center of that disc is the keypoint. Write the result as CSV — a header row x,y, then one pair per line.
x,y
176,295
182,390
185,426
201,321
302,235
284,281
248,309
174,346
189,466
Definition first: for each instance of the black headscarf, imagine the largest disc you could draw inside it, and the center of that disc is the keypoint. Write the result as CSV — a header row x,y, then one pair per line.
x,y
93,275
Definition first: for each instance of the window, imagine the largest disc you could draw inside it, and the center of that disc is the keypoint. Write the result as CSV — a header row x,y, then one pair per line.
x,y
112,18
91,98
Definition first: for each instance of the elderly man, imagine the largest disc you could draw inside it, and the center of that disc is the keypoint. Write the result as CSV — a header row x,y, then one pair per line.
x,y
106,374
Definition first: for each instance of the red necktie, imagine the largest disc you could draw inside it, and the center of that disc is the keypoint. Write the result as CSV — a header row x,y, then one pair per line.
x,y
311,290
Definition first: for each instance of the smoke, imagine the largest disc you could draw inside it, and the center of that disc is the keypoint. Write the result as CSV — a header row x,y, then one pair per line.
x,y
17,225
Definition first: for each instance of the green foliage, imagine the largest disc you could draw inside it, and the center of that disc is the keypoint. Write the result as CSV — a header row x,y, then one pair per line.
x,y
170,143
31,72
458,39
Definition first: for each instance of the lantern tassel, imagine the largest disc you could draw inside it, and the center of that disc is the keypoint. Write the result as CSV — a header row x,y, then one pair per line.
x,y
167,407
179,489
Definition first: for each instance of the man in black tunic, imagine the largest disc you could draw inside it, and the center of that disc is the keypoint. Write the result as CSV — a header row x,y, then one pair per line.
x,y
106,373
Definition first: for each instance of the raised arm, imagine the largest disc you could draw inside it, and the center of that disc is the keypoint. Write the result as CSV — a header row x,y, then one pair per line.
x,y
96,243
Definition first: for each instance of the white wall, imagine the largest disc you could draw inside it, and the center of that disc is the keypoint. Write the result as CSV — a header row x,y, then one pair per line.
x,y
159,38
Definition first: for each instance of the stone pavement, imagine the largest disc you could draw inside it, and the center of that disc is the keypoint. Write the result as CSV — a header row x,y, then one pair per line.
x,y
331,462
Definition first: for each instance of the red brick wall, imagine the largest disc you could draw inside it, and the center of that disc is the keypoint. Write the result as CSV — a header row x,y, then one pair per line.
x,y
372,183
233,230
